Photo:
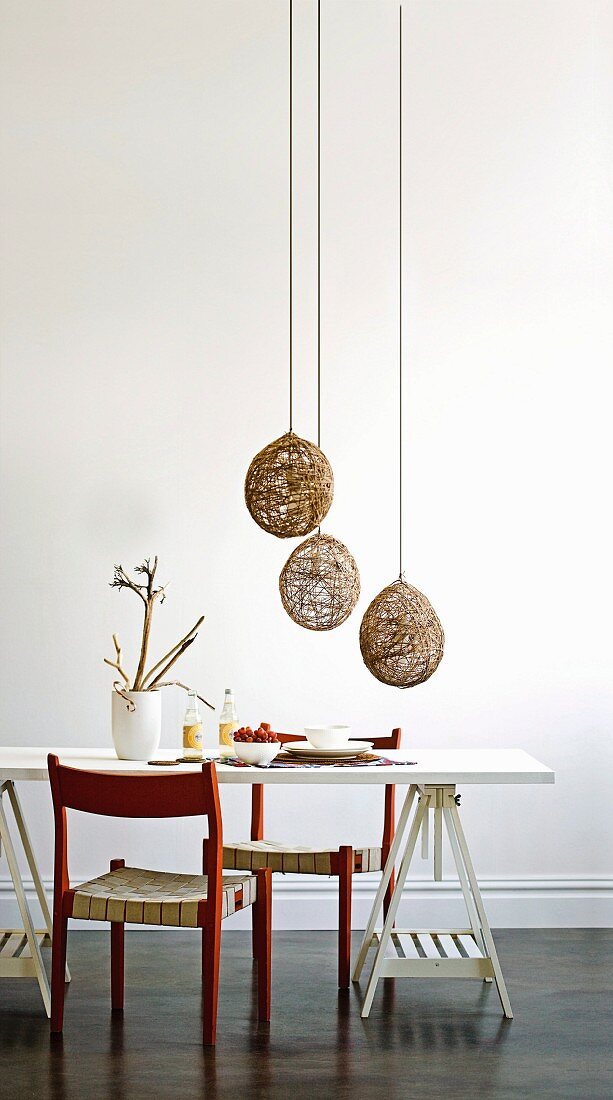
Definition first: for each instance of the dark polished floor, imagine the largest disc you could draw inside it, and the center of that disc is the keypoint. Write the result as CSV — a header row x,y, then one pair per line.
x,y
423,1039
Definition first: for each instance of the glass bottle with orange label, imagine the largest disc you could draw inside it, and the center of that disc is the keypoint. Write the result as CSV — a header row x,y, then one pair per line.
x,y
192,729
228,723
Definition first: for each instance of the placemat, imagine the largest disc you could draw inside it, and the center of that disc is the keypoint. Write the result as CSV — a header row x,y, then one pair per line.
x,y
285,760
367,760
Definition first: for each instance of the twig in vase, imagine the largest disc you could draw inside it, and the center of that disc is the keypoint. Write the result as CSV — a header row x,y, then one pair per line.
x,y
122,580
177,683
148,595
154,678
117,663
172,651
172,661
130,704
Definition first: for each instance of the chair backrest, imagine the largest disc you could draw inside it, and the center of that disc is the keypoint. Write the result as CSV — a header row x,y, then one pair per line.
x,y
390,742
128,794
257,790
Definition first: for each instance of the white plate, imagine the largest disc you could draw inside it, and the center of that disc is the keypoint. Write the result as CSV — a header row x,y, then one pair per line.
x,y
303,748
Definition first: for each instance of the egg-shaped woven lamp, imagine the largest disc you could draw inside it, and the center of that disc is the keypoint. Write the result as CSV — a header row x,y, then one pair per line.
x,y
401,638
289,487
320,583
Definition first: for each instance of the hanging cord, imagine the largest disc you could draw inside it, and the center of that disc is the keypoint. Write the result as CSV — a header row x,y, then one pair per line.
x,y
291,213
319,229
400,287
319,223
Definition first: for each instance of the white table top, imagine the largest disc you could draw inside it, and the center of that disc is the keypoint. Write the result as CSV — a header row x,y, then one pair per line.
x,y
433,766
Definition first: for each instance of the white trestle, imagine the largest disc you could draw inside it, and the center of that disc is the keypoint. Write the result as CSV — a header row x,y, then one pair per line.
x,y
407,945
20,954
426,953
414,954
16,959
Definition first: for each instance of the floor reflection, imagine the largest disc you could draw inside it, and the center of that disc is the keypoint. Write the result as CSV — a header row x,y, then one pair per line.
x,y
423,1032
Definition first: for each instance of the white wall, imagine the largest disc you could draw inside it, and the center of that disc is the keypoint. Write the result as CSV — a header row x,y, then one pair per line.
x,y
144,361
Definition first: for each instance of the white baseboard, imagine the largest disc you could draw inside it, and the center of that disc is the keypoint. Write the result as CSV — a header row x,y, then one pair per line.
x,y
311,903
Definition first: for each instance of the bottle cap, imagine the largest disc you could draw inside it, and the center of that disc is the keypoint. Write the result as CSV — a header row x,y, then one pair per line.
x,y
228,691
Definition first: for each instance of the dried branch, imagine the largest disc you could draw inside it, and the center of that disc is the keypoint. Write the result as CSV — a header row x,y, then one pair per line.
x,y
177,683
152,572
149,594
144,645
114,665
184,645
122,580
117,663
130,704
148,571
118,653
172,651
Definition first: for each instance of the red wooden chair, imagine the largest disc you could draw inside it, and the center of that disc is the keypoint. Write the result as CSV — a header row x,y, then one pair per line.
x,y
134,895
343,862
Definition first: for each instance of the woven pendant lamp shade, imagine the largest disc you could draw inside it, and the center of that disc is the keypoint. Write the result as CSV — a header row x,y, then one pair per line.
x,y
401,638
289,487
320,583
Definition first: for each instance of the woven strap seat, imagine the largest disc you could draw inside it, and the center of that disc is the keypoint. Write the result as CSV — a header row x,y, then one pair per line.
x,y
251,855
156,897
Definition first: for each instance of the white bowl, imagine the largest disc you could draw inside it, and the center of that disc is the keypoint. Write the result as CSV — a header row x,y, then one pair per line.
x,y
254,753
327,737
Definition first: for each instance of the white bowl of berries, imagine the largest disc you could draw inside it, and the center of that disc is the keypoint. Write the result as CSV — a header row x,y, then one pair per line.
x,y
258,747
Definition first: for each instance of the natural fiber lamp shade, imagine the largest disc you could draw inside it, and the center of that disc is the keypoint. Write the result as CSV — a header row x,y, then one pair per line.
x,y
401,638
320,583
289,487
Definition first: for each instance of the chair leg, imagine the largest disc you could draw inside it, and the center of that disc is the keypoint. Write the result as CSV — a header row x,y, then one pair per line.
x,y
262,928
117,966
211,950
117,954
345,875
58,972
254,932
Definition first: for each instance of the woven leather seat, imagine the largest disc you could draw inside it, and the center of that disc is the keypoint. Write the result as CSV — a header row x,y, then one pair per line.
x,y
138,896
251,855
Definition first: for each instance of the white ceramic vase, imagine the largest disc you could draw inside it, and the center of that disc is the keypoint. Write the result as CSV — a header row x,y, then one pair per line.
x,y
137,730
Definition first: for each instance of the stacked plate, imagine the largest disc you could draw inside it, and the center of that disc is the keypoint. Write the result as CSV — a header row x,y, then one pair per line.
x,y
306,751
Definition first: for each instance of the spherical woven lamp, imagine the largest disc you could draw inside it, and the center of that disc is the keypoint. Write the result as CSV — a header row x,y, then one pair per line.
x,y
289,487
401,638
320,583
